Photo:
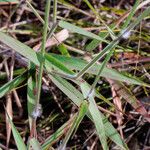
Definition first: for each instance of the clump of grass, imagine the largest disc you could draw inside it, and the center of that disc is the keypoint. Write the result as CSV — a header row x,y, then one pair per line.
x,y
67,73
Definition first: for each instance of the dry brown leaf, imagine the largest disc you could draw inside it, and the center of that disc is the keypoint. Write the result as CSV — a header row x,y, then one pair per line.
x,y
123,92
59,38
118,105
10,113
8,3
8,110
117,102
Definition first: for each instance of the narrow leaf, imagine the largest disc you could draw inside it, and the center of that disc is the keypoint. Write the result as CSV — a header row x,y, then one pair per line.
x,y
35,144
96,115
79,30
77,64
19,142
9,86
20,48
31,55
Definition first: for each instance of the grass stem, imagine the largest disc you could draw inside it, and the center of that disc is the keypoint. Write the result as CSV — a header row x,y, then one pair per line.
x,y
45,29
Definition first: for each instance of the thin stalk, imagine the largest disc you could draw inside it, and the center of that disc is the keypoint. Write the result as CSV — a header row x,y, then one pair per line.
x,y
55,11
47,10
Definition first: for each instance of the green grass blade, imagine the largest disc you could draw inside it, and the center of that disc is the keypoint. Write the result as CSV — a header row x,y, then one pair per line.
x,y
79,30
21,48
35,144
145,13
72,7
19,141
9,86
52,62
3,75
110,131
132,12
96,115
77,64
68,89
91,7
63,50
98,95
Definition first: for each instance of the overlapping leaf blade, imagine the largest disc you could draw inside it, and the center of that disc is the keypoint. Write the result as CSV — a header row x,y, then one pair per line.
x,y
96,115
19,141
12,84
77,99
